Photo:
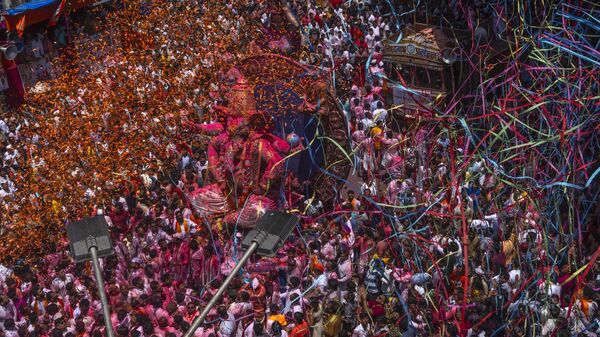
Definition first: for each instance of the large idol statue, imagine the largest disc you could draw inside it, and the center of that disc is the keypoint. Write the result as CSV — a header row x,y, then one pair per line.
x,y
245,160
272,143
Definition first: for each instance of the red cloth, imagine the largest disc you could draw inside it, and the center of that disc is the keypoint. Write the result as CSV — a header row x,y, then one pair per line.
x,y
356,33
305,20
300,330
568,288
16,91
361,43
377,309
318,20
119,220
359,77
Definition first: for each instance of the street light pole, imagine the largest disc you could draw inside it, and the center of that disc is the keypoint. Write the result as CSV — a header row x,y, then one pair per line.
x,y
89,239
213,301
100,282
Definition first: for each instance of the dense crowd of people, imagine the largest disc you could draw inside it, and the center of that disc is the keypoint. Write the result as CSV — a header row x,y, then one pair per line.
x,y
432,241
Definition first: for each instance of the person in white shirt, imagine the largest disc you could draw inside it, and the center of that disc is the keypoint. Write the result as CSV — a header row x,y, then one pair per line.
x,y
200,166
313,207
370,39
10,329
248,329
228,324
367,122
375,28
345,270
514,275
328,250
380,114
242,306
550,324
7,310
320,282
184,161
475,332
7,187
336,40
369,187
363,328
10,157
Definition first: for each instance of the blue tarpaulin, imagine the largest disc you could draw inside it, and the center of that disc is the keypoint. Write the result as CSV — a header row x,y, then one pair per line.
x,y
35,4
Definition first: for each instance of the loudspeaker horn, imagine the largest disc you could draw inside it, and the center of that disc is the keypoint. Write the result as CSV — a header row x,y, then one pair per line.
x,y
10,51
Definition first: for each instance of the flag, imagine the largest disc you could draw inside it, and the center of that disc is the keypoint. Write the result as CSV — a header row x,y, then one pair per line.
x,y
347,227
57,13
21,25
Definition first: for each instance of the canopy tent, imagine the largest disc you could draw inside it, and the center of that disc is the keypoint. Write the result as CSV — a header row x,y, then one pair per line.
x,y
28,6
32,12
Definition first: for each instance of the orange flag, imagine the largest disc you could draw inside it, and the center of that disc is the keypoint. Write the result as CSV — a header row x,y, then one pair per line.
x,y
21,25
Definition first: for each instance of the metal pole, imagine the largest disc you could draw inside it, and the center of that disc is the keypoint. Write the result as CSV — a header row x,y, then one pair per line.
x,y
103,300
200,319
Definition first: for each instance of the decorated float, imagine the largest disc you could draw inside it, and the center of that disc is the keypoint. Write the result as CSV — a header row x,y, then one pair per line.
x,y
417,66
276,144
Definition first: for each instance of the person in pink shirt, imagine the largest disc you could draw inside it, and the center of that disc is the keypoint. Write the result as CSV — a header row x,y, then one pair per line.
x,y
114,293
358,109
329,249
120,218
210,266
295,267
162,325
156,310
181,258
241,306
167,290
121,317
165,256
191,312
136,219
210,289
196,262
